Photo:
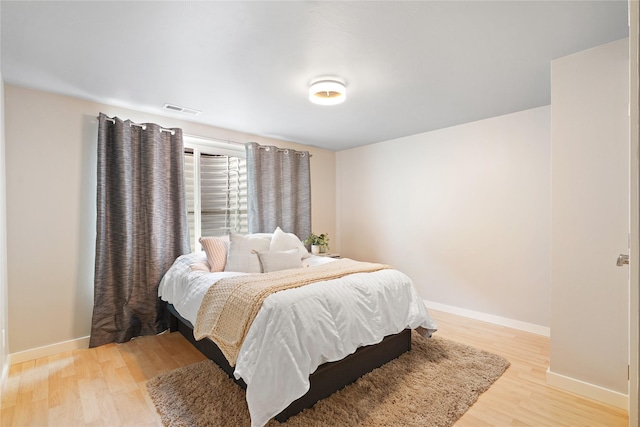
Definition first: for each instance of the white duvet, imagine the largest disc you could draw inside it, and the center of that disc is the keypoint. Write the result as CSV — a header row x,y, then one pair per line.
x,y
299,329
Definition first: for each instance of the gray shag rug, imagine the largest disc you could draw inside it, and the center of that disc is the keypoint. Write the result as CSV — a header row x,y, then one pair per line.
x,y
432,385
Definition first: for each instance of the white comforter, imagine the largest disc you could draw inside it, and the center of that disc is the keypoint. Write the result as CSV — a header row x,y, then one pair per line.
x,y
299,329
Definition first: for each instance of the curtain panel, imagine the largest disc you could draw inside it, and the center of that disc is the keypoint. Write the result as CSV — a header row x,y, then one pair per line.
x,y
141,226
278,190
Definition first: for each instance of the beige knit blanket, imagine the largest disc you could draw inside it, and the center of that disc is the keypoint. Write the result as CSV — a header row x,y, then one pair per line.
x,y
230,305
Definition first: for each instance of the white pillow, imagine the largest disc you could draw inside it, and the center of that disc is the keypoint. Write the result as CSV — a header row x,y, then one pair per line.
x,y
240,257
279,260
282,241
261,235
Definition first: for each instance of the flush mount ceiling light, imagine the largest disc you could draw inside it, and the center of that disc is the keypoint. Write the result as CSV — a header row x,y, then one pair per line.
x,y
327,91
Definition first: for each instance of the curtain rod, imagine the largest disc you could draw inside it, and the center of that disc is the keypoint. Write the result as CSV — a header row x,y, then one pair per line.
x,y
285,150
143,126
228,141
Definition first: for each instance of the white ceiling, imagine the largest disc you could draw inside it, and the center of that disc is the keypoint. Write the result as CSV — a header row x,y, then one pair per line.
x,y
410,67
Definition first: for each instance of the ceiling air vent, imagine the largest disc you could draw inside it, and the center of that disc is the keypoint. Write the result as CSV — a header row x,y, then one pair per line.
x,y
178,109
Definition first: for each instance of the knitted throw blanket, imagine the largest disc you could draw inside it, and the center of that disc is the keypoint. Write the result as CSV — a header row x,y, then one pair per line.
x,y
230,305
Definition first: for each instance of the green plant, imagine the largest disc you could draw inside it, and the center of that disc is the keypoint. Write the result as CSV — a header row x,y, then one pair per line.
x,y
318,240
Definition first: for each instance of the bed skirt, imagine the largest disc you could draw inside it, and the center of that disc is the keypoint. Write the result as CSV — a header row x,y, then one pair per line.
x,y
327,379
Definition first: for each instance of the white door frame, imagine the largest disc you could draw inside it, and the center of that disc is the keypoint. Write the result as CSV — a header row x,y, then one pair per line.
x,y
634,217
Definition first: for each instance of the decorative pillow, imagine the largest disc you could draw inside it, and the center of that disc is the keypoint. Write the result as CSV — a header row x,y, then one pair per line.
x,y
279,260
240,257
216,249
282,241
199,266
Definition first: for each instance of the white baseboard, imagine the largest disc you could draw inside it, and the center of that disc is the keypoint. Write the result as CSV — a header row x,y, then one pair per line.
x,y
572,385
490,318
49,350
591,391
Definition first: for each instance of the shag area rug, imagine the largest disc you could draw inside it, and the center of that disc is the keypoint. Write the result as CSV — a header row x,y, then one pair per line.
x,y
431,385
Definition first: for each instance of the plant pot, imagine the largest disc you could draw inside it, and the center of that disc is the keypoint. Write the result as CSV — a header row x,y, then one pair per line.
x,y
315,249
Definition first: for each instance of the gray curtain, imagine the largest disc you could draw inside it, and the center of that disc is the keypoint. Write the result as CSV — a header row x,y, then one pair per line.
x,y
278,190
141,227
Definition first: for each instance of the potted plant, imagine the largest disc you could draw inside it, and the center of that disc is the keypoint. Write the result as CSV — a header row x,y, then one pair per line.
x,y
319,243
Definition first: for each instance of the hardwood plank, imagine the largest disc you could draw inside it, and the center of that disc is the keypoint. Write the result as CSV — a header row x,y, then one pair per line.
x,y
522,392
91,392
106,386
6,416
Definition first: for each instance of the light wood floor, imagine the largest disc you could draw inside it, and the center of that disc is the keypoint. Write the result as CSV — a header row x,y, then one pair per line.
x,y
105,386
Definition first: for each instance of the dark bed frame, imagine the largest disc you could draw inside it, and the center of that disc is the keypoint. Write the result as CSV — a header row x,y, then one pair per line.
x,y
327,379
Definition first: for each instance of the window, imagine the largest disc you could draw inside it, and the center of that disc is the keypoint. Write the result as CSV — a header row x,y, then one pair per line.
x,y
216,189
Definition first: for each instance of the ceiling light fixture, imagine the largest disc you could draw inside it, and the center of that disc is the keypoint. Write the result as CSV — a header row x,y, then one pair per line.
x,y
327,91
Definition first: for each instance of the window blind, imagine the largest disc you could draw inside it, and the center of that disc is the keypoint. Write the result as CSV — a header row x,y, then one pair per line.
x,y
217,202
223,194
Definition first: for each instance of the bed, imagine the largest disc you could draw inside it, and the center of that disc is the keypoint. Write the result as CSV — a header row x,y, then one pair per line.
x,y
306,342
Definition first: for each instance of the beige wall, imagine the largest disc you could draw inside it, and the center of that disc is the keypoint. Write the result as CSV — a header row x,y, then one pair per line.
x,y
51,186
590,216
464,211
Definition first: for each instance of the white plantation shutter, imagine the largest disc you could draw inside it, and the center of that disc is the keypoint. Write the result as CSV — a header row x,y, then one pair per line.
x,y
223,194
216,187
